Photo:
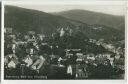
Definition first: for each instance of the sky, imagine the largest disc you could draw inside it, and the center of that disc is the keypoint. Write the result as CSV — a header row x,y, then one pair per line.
x,y
106,7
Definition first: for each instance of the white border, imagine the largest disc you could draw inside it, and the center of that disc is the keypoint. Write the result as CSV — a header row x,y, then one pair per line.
x,y
67,2
48,2
63,82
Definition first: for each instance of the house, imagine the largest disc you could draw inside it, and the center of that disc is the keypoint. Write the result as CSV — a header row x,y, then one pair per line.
x,y
8,30
31,32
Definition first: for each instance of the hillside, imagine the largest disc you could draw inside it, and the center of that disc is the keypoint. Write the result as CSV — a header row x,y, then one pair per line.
x,y
90,17
24,20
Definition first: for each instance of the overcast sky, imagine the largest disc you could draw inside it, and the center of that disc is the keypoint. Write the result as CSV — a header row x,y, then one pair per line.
x,y
108,8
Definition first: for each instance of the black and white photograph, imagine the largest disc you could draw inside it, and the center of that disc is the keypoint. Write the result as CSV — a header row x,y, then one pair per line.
x,y
64,42
0,41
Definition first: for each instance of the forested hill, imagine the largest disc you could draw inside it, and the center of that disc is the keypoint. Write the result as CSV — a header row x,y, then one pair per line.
x,y
24,20
90,17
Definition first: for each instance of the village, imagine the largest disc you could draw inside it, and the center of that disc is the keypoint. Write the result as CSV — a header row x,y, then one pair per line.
x,y
52,57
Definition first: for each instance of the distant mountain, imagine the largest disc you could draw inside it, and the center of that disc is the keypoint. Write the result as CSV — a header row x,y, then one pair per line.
x,y
89,17
24,20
